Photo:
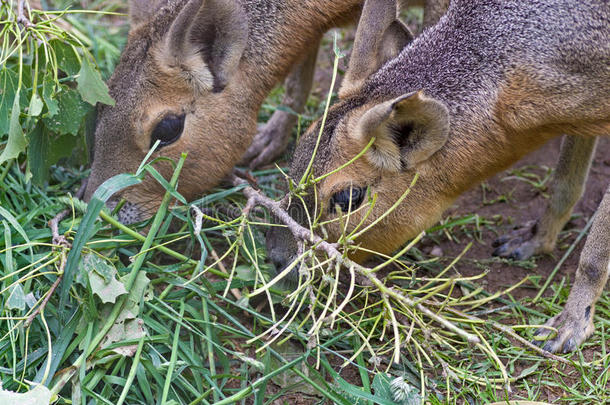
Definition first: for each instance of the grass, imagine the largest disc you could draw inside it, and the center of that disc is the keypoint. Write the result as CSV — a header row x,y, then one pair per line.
x,y
164,312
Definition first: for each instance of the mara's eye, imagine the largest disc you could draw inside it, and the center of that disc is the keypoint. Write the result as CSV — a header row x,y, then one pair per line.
x,y
168,130
343,197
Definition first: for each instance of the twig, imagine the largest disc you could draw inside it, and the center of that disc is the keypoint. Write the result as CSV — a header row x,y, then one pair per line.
x,y
54,223
21,18
59,240
514,335
44,302
304,234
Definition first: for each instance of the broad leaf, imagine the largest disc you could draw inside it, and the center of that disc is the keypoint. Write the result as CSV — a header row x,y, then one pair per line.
x,y
128,325
245,272
16,139
67,60
8,88
381,386
91,86
35,107
39,395
102,278
46,149
72,110
48,94
16,298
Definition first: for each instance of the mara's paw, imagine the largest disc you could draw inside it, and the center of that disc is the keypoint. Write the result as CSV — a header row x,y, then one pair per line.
x,y
519,244
270,140
572,330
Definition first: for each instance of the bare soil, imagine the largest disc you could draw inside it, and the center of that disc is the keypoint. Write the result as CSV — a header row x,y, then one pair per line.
x,y
526,203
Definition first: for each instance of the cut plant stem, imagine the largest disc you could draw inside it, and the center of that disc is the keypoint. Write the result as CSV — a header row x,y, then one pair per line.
x,y
303,234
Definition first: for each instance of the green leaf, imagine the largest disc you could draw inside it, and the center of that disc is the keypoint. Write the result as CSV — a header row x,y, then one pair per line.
x,y
15,224
72,111
67,60
40,395
35,107
128,326
157,176
102,278
8,88
46,149
87,227
108,292
245,272
381,386
91,86
92,262
16,298
16,139
48,94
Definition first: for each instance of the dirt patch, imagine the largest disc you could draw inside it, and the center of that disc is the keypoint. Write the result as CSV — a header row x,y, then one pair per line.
x,y
524,203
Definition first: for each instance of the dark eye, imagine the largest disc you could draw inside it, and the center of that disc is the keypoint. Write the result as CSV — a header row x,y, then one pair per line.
x,y
168,130
343,197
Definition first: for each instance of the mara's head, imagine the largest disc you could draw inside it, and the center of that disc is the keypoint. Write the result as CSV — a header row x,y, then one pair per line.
x,y
372,176
178,77
369,151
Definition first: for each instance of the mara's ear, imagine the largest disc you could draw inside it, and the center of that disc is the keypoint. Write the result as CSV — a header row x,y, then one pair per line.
x,y
206,41
407,130
141,10
379,38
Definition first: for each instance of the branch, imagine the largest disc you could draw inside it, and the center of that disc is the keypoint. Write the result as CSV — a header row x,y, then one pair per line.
x,y
54,223
303,234
21,18
59,240
43,304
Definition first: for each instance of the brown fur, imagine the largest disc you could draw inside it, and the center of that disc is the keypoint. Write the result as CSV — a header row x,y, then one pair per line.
x,y
149,82
215,63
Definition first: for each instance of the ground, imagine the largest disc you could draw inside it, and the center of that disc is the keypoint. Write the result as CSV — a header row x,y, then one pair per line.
x,y
525,203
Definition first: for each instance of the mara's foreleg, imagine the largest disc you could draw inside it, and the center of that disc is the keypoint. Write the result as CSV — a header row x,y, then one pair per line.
x,y
273,137
575,323
434,10
566,189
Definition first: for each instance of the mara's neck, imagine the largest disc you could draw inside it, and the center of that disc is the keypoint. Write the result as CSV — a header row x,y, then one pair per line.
x,y
281,33
467,72
474,153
